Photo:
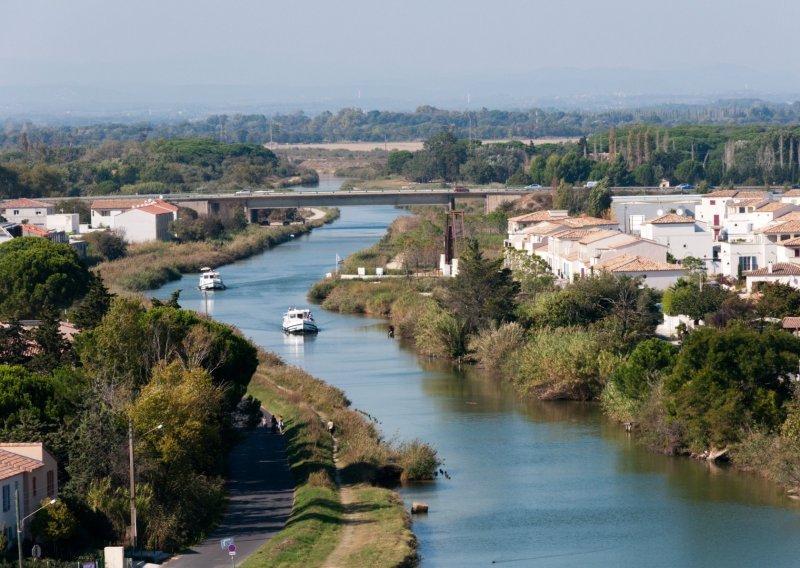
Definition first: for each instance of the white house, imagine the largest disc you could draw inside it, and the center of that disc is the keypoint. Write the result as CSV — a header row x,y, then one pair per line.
x,y
67,222
142,224
713,210
29,470
26,210
103,210
655,274
783,272
682,236
792,196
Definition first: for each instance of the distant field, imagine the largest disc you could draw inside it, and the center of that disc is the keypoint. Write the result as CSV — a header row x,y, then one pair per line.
x,y
410,146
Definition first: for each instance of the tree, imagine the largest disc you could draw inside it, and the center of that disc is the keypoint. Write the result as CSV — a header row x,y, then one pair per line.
x,y
483,293
34,273
689,171
728,380
52,348
109,245
397,161
651,360
778,301
88,312
686,298
448,154
599,200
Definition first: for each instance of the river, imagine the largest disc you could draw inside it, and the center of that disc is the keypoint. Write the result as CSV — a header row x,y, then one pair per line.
x,y
531,483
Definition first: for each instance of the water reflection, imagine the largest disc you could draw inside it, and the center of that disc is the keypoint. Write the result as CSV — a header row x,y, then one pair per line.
x,y
296,344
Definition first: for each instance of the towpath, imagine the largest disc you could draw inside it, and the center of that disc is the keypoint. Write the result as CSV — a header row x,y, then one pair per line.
x,y
261,494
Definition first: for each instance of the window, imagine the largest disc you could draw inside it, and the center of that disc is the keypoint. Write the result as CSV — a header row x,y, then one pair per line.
x,y
747,263
51,485
34,485
16,212
6,498
712,202
796,252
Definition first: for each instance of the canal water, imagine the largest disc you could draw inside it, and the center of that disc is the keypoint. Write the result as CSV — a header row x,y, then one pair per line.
x,y
531,483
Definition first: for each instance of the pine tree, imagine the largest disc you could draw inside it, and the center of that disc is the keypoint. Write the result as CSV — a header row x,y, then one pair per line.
x,y
93,306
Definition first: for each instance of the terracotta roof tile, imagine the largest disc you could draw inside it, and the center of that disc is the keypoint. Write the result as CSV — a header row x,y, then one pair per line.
x,y
773,206
574,235
583,222
12,464
630,263
153,210
778,269
791,193
598,235
791,323
669,219
795,242
721,193
23,203
753,195
790,216
537,216
35,230
781,227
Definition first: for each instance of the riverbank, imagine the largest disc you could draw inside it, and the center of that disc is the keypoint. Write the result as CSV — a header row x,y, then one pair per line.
x,y
575,343
150,265
321,520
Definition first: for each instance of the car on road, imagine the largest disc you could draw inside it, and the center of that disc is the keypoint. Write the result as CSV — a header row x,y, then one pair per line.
x,y
461,189
685,186
533,186
243,192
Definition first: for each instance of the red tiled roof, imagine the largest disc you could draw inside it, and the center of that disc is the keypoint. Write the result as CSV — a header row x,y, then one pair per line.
x,y
583,222
669,219
12,464
34,230
116,203
721,193
773,206
536,216
791,323
153,210
598,235
791,193
795,242
630,263
778,269
752,195
23,203
782,227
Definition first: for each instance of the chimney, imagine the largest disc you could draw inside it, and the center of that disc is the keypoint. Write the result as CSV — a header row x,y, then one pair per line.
x,y
769,267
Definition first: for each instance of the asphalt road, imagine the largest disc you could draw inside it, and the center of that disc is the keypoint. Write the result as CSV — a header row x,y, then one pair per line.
x,y
261,495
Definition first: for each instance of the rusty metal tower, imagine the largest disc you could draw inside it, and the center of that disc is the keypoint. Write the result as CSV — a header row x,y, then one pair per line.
x,y
454,231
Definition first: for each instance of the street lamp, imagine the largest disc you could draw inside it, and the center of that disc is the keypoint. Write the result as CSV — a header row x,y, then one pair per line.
x,y
134,534
22,520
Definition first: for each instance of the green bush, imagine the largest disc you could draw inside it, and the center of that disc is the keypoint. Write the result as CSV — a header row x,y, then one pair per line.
x,y
418,460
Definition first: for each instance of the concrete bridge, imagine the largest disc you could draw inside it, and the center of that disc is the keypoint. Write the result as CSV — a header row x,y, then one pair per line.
x,y
253,201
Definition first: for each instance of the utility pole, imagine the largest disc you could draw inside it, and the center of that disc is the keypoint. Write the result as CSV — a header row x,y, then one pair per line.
x,y
133,485
19,524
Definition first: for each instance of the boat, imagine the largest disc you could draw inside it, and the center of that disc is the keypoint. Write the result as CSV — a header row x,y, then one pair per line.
x,y
299,321
210,279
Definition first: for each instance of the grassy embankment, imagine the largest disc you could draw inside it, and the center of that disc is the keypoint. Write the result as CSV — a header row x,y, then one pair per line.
x,y
149,265
318,517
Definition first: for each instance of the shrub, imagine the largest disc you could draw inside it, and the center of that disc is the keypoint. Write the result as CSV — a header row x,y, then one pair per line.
x,y
495,347
418,460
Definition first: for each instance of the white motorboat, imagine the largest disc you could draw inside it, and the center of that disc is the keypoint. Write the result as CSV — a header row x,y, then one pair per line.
x,y
299,321
210,279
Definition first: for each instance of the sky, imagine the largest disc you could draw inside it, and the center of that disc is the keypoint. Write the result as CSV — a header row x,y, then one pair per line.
x,y
412,48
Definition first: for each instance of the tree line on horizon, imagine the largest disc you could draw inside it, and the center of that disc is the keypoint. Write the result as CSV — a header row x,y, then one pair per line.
x,y
353,124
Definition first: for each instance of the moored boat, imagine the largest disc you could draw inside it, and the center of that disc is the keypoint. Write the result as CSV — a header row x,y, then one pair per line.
x,y
299,321
210,279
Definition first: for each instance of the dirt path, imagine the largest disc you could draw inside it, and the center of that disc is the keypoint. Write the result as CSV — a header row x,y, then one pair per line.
x,y
357,532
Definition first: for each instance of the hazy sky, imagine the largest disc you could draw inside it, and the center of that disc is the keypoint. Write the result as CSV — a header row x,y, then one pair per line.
x,y
362,44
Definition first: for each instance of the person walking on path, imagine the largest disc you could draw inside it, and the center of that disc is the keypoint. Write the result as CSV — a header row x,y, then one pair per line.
x,y
280,424
331,427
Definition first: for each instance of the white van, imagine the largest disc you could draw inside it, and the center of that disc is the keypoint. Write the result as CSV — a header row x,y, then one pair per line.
x,y
590,184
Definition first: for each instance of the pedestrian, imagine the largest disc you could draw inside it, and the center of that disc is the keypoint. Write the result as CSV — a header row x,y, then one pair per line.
x,y
330,427
273,423
280,424
263,420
